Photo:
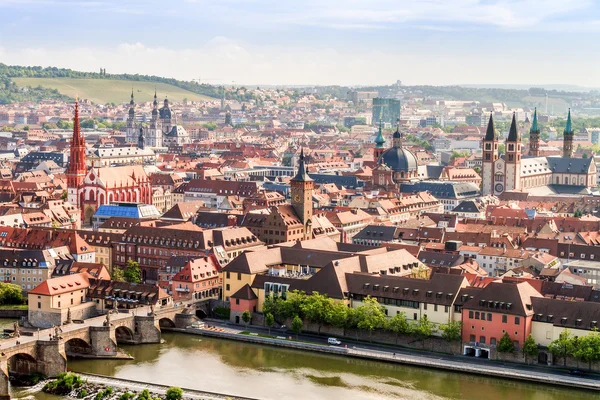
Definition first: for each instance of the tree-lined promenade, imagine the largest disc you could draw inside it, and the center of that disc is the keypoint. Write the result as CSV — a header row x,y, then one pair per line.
x,y
369,316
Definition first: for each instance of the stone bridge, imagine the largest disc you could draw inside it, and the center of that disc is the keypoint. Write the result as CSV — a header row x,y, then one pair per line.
x,y
47,355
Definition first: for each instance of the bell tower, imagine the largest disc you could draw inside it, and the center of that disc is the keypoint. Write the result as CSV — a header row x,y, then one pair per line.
x,y
131,131
77,168
490,155
513,157
534,137
568,137
379,143
301,190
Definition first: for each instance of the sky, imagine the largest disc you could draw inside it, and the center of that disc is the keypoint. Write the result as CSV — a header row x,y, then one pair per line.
x,y
312,42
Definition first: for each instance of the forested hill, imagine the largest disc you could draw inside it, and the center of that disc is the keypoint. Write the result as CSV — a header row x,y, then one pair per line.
x,y
8,72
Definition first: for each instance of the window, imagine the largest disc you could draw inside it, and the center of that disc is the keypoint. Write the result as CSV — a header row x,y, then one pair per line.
x,y
472,338
425,306
517,321
59,304
489,316
39,304
493,341
227,287
504,319
446,309
476,314
470,314
482,339
435,307
415,316
237,301
228,275
239,276
71,301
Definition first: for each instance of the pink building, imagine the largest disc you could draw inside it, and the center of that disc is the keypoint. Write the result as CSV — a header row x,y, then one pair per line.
x,y
198,279
490,312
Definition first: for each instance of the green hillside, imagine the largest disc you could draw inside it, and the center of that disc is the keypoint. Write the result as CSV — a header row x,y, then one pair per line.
x,y
104,91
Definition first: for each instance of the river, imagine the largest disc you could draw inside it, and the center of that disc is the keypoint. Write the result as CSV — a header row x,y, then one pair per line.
x,y
264,372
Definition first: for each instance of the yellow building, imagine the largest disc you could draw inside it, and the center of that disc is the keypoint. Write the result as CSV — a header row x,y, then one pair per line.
x,y
51,302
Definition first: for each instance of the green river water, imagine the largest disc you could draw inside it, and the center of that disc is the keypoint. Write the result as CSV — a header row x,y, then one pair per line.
x,y
264,372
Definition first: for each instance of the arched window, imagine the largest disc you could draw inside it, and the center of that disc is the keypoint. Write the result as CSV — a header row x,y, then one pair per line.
x,y
81,198
566,180
110,198
557,180
101,198
92,195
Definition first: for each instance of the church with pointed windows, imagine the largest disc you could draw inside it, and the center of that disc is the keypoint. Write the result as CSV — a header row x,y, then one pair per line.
x,y
90,188
531,173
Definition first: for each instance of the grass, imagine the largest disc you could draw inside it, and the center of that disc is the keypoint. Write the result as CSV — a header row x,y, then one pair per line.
x,y
102,91
13,307
259,335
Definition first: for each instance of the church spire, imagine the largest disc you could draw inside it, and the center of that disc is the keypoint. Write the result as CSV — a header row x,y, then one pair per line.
x,y
379,140
534,137
302,174
534,124
568,136
397,136
568,126
490,133
513,134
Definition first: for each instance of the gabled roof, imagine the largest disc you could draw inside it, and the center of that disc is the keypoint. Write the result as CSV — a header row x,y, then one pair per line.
x,y
245,293
62,284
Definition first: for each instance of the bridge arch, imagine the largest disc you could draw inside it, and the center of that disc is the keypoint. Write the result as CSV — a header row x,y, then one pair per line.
x,y
76,347
165,322
201,313
22,364
124,335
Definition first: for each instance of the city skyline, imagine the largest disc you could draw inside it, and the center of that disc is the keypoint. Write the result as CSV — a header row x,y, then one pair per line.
x,y
314,43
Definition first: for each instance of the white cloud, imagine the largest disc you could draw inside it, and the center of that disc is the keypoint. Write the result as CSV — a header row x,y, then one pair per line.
x,y
223,60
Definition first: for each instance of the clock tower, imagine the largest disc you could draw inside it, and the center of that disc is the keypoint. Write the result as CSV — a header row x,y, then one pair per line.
x,y
302,187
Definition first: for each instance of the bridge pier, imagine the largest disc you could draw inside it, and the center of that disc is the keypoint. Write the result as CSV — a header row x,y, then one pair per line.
x,y
147,329
4,381
185,320
103,341
51,358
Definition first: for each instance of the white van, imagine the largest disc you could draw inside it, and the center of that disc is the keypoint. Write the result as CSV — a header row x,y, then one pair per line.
x,y
334,341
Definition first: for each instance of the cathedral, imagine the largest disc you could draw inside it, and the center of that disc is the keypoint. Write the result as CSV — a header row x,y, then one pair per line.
x,y
532,173
88,189
162,131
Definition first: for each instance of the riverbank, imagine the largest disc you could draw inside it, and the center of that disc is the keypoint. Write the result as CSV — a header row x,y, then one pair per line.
x,y
424,360
121,386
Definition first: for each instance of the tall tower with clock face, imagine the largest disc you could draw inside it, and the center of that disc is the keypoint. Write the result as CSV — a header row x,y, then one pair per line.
x,y
301,188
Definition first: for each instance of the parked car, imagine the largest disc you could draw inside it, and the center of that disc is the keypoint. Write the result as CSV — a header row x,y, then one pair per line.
x,y
334,341
576,372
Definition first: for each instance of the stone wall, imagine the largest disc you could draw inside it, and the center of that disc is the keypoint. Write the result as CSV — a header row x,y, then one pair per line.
x,y
48,319
146,329
103,340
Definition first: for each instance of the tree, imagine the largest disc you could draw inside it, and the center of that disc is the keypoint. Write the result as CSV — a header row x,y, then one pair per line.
x,y
297,326
246,317
317,308
269,321
563,346
423,329
286,161
10,294
505,344
117,275
132,273
398,324
530,347
501,148
451,332
371,315
588,349
174,393
338,315
26,128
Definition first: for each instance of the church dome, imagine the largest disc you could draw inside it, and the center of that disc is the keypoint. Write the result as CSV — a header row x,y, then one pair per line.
x,y
399,159
397,135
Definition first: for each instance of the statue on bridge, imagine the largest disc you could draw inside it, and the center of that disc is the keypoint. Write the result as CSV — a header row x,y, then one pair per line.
x,y
115,306
16,332
69,316
57,332
151,313
107,322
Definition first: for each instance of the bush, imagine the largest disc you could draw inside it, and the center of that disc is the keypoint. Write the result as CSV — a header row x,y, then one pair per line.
x,y
174,393
82,393
222,312
126,396
144,395
63,384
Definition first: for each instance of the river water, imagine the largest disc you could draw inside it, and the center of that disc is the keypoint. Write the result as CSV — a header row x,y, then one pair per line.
x,y
264,372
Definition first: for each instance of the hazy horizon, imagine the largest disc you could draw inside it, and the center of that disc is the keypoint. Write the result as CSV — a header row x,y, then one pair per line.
x,y
331,42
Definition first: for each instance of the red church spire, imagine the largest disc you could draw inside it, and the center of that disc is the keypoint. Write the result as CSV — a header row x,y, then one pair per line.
x,y
77,166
